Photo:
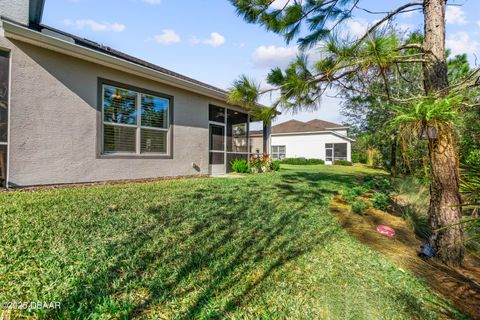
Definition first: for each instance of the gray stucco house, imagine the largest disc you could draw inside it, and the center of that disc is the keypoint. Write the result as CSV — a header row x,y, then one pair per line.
x,y
73,111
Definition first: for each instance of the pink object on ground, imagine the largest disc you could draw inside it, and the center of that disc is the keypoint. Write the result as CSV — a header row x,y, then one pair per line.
x,y
389,232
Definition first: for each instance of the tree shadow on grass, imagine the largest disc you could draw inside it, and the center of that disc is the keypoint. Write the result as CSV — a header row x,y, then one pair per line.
x,y
210,253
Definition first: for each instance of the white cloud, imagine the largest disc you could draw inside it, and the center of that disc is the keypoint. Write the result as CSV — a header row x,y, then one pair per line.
x,y
357,27
152,1
215,40
460,42
168,36
272,56
94,25
279,4
455,15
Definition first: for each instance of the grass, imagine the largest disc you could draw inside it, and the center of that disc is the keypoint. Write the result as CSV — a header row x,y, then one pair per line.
x,y
261,246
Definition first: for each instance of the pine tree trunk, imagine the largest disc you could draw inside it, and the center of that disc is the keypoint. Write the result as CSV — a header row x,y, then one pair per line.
x,y
445,199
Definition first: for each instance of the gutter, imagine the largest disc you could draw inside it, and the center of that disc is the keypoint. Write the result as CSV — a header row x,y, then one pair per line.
x,y
23,34
36,11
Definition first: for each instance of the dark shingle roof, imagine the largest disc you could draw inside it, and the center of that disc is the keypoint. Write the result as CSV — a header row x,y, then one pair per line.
x,y
118,54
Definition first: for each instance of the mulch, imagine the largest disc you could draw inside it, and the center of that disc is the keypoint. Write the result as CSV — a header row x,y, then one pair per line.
x,y
460,285
98,183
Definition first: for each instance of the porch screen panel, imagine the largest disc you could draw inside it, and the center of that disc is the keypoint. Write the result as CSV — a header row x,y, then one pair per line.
x,y
217,139
234,156
237,124
4,75
340,151
216,114
217,158
4,84
329,152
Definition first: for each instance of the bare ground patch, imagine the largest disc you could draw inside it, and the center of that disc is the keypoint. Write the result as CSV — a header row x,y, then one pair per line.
x,y
461,286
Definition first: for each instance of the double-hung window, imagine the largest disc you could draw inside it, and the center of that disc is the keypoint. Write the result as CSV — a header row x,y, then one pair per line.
x,y
279,152
135,122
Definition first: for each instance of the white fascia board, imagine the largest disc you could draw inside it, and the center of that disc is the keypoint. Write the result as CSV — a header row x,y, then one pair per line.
x,y
313,132
24,34
338,128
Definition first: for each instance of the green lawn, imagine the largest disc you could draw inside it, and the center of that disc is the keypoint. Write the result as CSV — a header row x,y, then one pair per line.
x,y
262,246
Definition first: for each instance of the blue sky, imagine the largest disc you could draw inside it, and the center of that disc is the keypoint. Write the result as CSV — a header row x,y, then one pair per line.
x,y
204,39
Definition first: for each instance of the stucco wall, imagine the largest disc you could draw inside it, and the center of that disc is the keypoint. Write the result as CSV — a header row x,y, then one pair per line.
x,y
53,123
308,145
15,9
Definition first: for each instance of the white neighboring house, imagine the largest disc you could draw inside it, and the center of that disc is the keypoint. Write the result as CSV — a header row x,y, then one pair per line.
x,y
316,139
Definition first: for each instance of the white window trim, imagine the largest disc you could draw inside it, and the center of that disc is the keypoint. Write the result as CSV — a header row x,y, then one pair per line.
x,y
276,155
138,126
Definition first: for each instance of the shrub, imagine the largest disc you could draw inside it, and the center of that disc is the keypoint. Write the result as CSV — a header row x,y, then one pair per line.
x,y
275,165
359,207
260,163
359,157
350,195
342,163
473,158
384,185
302,161
380,201
240,166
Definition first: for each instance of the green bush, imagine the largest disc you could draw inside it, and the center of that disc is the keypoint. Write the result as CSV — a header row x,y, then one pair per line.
x,y
359,206
350,195
342,163
381,201
473,158
240,166
359,157
302,161
384,185
275,165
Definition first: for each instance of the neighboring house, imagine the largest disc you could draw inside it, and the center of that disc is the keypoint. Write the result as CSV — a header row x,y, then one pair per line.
x,y
316,139
72,111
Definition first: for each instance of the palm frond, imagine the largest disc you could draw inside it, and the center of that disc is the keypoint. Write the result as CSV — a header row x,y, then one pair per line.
x,y
244,92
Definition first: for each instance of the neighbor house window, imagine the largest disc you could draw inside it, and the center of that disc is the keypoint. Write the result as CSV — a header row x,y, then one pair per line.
x,y
279,152
134,122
